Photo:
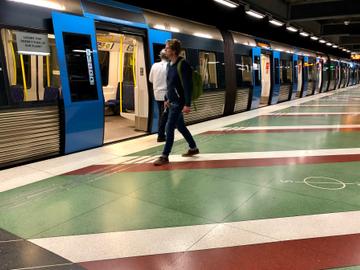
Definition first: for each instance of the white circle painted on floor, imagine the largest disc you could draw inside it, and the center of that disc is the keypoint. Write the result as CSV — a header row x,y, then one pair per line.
x,y
323,182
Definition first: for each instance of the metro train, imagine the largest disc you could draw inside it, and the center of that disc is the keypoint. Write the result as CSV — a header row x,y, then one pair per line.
x,y
74,75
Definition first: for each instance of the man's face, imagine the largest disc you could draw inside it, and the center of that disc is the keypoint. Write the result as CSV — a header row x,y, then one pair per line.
x,y
169,51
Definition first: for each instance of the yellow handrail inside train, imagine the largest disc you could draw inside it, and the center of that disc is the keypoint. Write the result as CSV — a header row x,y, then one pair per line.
x,y
23,75
121,71
14,62
48,70
133,64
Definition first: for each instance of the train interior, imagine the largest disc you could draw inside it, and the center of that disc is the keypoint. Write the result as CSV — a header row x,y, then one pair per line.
x,y
265,79
124,84
31,77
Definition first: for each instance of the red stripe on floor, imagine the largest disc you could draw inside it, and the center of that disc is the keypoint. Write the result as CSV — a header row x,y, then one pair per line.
x,y
217,132
215,164
314,253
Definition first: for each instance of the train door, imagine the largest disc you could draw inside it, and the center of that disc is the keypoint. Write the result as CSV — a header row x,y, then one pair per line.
x,y
124,85
265,79
318,76
275,70
256,90
300,77
295,77
81,82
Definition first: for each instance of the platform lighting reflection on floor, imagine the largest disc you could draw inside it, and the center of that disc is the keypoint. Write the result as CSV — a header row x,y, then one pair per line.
x,y
227,3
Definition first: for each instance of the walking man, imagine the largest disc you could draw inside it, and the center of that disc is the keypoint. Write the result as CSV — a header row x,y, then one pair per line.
x,y
177,100
157,77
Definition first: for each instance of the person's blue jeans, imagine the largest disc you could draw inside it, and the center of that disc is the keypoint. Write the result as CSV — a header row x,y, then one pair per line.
x,y
176,120
163,114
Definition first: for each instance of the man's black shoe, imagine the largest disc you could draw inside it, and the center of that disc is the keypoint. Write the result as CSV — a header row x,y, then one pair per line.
x,y
191,152
161,161
161,139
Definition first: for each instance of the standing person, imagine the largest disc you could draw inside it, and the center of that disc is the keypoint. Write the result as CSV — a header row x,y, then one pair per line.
x,y
157,77
178,101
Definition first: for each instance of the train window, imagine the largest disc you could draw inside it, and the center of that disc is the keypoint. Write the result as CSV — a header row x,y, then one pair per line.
x,y
296,72
243,70
31,69
51,70
285,71
277,71
80,66
311,72
256,68
208,63
104,58
183,53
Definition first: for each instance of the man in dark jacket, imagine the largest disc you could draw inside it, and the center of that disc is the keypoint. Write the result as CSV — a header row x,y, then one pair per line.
x,y
178,101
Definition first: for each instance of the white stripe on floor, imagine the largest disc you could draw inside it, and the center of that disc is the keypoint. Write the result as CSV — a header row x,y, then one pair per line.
x,y
287,127
311,113
81,248
254,155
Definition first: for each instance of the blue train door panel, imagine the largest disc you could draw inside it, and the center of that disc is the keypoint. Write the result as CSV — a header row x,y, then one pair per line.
x,y
256,93
81,82
305,76
156,37
275,77
295,77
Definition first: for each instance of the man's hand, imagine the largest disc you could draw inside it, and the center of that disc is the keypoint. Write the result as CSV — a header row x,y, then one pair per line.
x,y
166,104
186,109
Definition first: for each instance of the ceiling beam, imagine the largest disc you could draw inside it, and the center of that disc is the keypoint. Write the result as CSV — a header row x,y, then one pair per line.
x,y
340,30
325,10
349,40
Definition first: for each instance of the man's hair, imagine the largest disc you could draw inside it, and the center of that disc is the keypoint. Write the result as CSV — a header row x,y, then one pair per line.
x,y
163,54
175,45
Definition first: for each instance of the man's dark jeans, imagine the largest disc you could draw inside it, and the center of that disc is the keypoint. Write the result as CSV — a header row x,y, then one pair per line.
x,y
163,115
176,120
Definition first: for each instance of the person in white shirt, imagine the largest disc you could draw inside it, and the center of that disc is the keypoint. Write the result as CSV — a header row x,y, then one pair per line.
x,y
157,77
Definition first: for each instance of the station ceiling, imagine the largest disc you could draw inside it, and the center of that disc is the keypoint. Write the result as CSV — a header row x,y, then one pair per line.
x,y
336,21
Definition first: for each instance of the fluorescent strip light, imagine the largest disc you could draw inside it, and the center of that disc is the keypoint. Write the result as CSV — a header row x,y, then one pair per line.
x,y
159,26
322,41
276,22
304,34
202,35
255,14
314,38
33,53
328,44
291,29
41,3
344,50
227,3
334,46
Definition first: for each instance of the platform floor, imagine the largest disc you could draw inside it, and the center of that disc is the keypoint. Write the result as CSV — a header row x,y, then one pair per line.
x,y
273,188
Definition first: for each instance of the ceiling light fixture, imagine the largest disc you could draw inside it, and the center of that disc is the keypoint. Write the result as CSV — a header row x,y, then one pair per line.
x,y
328,44
228,3
304,34
291,28
334,46
253,13
314,38
41,3
276,22
322,41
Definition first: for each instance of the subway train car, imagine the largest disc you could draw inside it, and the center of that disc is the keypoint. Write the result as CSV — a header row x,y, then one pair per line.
x,y
74,75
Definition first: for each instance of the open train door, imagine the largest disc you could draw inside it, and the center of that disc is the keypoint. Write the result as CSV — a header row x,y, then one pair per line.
x,y
81,82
